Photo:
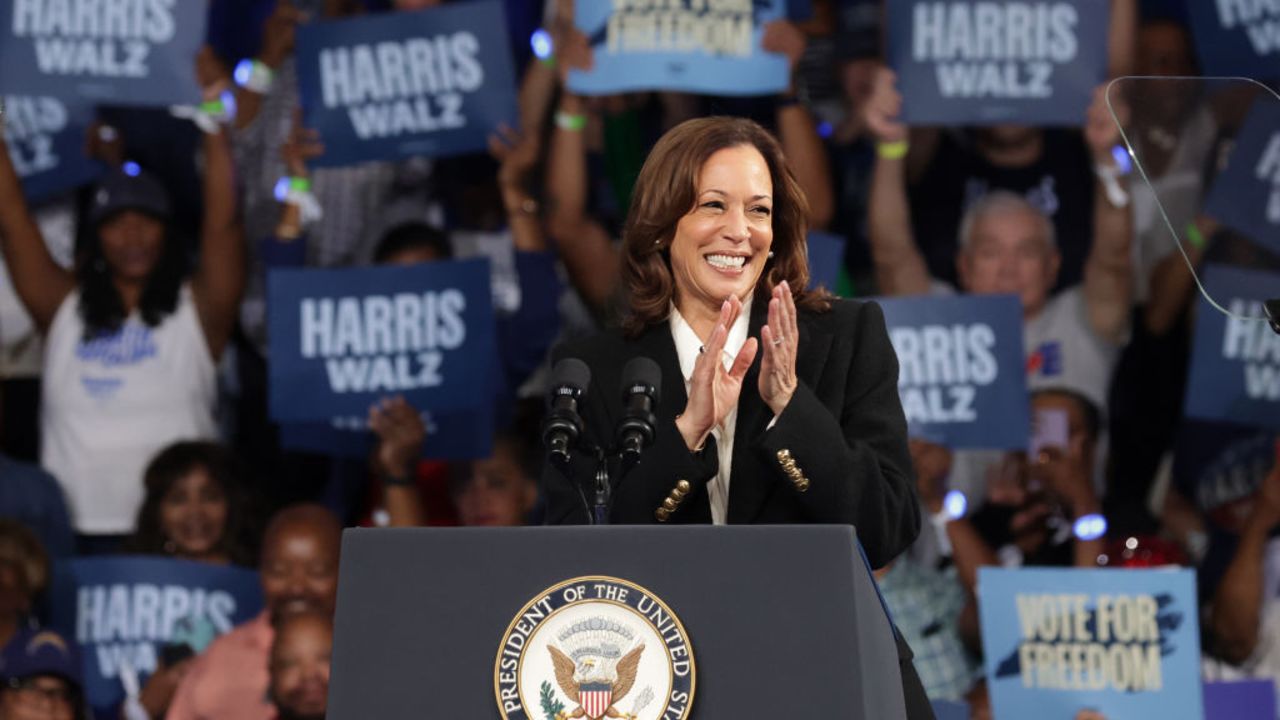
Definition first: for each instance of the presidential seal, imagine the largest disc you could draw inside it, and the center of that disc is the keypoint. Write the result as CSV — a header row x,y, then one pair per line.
x,y
595,647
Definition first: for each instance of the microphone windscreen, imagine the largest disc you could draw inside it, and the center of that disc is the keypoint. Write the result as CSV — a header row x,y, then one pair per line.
x,y
571,372
641,370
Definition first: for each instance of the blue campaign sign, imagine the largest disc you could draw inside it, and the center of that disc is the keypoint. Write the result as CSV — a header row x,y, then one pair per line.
x,y
826,256
1235,361
450,436
1246,195
988,62
961,370
1125,643
1236,38
46,139
124,52
124,610
685,45
432,82
340,340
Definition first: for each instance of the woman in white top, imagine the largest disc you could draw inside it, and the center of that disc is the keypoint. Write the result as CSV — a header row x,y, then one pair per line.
x,y
132,341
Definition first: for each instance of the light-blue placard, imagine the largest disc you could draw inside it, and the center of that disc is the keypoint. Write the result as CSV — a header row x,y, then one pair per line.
x,y
1125,643
687,46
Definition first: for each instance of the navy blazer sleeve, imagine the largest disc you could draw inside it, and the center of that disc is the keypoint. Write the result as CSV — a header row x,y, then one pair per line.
x,y
852,444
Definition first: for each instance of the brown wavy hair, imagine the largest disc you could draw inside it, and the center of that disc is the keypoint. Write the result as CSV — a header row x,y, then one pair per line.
x,y
667,190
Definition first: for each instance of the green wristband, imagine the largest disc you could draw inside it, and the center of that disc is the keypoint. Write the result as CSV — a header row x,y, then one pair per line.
x,y
1195,237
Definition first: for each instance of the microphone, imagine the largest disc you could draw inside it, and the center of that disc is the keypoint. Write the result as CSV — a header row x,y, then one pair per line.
x,y
563,426
641,386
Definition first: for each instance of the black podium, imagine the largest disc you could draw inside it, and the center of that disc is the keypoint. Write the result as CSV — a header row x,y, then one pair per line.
x,y
783,621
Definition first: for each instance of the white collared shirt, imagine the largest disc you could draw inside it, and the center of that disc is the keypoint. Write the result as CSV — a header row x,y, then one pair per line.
x,y
688,345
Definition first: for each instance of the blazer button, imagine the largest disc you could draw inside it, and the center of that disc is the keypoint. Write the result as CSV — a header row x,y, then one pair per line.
x,y
662,514
684,487
668,504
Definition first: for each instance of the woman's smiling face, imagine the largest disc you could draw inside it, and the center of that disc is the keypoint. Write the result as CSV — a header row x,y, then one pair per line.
x,y
721,245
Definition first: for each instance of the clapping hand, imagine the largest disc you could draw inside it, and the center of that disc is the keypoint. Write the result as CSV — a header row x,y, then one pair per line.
x,y
780,338
713,390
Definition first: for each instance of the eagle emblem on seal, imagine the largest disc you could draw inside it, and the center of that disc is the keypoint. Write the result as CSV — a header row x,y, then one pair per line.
x,y
596,668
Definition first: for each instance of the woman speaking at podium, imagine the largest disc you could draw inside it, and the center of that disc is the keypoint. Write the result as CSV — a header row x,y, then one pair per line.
x,y
779,404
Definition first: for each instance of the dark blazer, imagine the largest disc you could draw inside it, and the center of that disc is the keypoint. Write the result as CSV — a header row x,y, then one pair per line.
x,y
837,454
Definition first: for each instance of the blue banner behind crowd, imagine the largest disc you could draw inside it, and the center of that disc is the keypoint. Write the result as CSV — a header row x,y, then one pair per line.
x,y
1123,642
960,369
123,611
1235,361
343,339
685,45
1236,37
126,52
433,82
46,138
985,62
450,436
1246,195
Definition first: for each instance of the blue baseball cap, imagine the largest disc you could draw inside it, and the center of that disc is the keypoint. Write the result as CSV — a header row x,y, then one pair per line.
x,y
129,188
40,652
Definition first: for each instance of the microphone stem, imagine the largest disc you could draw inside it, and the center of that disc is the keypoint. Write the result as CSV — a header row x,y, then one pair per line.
x,y
602,489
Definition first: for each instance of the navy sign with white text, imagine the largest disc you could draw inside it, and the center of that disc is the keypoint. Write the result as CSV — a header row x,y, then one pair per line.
x,y
1237,37
123,611
1246,195
1235,361
450,436
967,62
960,369
342,339
126,52
433,82
46,139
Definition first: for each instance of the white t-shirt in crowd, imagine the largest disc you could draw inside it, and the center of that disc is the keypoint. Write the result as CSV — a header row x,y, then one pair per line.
x,y
110,404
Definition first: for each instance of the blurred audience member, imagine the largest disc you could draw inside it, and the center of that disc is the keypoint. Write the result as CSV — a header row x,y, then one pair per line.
x,y
40,678
299,570
300,666
131,343
195,507
32,497
502,490
1245,615
24,575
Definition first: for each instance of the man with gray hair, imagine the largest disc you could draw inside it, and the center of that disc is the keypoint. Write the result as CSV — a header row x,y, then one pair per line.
x,y
1007,245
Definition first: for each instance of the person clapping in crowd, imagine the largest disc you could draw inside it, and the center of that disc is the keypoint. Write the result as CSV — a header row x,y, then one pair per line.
x,y
40,678
299,572
300,666
132,340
